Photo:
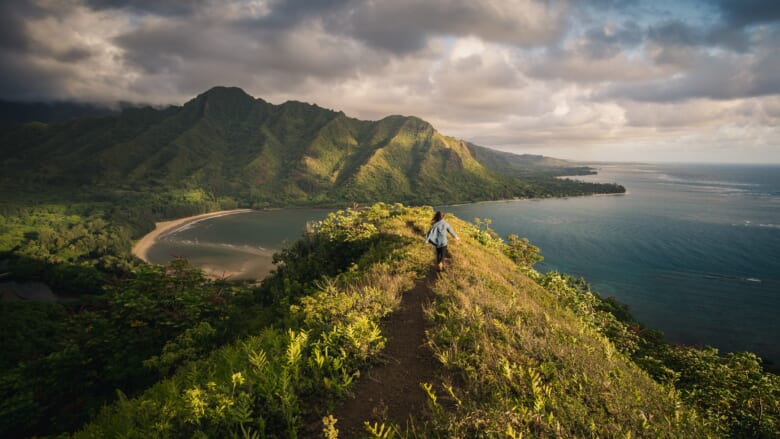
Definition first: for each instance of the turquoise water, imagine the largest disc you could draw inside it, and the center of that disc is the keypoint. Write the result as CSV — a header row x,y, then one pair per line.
x,y
693,250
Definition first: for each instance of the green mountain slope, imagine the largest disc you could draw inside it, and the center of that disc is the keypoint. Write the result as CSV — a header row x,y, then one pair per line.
x,y
525,165
229,144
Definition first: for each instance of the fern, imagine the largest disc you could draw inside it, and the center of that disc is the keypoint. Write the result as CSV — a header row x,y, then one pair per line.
x,y
379,431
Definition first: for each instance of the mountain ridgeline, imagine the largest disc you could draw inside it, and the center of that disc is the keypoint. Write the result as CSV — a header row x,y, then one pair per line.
x,y
231,145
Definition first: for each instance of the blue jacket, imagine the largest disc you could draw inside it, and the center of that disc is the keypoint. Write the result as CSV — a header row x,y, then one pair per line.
x,y
438,233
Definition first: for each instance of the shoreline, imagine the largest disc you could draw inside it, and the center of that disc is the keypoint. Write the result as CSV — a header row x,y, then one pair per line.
x,y
141,248
505,200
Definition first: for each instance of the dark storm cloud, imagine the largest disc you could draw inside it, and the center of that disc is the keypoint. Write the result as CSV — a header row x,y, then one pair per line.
x,y
679,33
286,14
72,55
20,78
402,26
273,43
748,12
391,31
159,7
609,4
23,82
405,26
398,35
17,79
156,49
732,31
169,48
13,19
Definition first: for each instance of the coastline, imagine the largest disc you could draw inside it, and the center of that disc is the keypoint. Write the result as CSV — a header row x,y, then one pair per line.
x,y
505,200
141,248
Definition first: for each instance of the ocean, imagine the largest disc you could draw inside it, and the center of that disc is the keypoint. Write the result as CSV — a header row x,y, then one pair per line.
x,y
693,250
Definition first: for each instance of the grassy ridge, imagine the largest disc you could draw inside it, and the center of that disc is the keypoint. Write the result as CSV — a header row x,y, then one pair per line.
x,y
522,354
528,364
533,348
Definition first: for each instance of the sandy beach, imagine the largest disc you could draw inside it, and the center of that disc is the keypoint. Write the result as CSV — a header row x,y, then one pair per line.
x,y
141,248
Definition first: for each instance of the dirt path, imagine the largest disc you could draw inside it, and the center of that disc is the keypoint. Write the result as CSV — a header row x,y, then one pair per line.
x,y
390,392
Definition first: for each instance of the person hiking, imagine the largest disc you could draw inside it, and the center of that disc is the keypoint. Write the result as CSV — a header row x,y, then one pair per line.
x,y
437,236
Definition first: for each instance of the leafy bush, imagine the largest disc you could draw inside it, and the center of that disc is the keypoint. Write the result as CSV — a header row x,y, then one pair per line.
x,y
161,317
522,252
732,392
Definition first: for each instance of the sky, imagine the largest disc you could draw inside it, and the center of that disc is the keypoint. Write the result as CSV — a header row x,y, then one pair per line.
x,y
598,80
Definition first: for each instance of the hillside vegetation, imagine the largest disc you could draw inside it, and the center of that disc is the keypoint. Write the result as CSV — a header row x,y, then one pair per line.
x,y
519,354
238,149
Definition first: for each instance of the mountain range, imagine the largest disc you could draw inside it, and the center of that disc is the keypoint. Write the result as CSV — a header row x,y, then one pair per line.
x,y
230,144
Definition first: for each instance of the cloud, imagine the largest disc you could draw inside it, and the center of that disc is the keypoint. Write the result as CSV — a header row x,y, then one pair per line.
x,y
405,25
611,39
159,7
610,53
255,58
676,33
557,75
13,24
749,12
690,115
720,76
65,55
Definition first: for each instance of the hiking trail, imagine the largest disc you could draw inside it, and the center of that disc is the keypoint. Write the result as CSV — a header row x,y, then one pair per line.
x,y
390,392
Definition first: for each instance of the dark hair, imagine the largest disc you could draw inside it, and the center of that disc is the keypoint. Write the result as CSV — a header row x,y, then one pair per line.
x,y
438,217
